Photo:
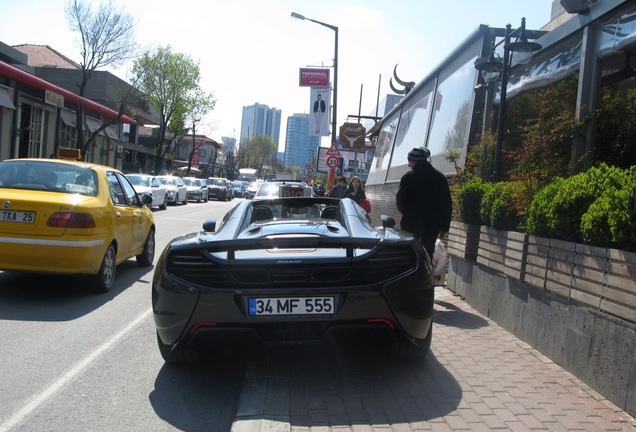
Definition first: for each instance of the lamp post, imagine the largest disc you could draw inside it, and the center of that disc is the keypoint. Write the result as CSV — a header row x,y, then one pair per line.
x,y
334,113
492,68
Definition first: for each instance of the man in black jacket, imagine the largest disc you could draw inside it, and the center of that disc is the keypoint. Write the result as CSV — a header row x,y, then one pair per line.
x,y
424,200
339,190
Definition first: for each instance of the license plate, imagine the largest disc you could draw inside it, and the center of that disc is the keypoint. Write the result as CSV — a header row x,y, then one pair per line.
x,y
291,306
17,216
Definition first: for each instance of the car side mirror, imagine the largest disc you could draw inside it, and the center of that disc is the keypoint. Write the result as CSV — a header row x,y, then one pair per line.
x,y
146,199
387,221
209,225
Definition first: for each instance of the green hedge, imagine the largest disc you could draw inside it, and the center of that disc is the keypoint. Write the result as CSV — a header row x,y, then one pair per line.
x,y
596,207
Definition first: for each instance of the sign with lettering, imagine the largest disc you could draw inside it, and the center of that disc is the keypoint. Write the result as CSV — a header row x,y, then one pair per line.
x,y
310,77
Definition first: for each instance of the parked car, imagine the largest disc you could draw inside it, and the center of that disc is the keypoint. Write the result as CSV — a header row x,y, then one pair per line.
x,y
146,184
252,188
239,188
197,189
283,189
177,190
219,188
292,269
72,218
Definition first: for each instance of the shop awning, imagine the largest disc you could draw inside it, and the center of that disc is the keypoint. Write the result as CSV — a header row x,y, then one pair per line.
x,y
32,81
137,148
69,118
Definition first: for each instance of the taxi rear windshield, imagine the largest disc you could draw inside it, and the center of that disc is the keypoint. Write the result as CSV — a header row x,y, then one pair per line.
x,y
47,176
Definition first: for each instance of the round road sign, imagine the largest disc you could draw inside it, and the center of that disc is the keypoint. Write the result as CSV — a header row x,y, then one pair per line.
x,y
333,162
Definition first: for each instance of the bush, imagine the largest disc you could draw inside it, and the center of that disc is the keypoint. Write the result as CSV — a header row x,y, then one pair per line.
x,y
498,207
540,214
594,207
469,199
611,218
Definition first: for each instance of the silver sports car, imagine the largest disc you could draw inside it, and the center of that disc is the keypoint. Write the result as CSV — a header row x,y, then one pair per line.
x,y
287,270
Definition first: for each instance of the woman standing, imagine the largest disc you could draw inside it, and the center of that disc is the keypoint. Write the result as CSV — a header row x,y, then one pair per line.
x,y
355,191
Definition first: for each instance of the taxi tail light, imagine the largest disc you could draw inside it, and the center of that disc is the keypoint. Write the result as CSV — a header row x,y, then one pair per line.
x,y
71,220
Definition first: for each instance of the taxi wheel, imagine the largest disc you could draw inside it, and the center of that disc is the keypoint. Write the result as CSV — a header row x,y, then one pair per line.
x,y
147,256
105,277
165,203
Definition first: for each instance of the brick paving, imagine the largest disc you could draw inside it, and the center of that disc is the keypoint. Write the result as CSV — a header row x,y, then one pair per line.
x,y
477,377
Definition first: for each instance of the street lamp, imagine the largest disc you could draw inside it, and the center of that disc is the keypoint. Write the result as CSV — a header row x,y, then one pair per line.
x,y
493,67
334,114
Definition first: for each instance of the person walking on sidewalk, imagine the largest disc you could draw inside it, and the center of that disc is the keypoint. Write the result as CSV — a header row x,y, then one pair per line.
x,y
424,200
339,190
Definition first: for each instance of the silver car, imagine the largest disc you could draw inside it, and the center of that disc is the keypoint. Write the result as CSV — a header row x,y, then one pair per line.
x,y
146,184
177,190
197,189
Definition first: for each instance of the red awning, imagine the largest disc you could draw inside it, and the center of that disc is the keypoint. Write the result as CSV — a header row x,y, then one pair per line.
x,y
18,75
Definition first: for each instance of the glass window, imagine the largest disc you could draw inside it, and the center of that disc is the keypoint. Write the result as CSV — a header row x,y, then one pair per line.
x,y
129,192
382,155
452,109
411,129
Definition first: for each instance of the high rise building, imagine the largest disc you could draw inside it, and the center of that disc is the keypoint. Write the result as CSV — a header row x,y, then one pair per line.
x,y
300,146
260,119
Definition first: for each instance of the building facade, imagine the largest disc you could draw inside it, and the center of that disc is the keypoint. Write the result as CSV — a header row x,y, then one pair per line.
x,y
300,147
258,120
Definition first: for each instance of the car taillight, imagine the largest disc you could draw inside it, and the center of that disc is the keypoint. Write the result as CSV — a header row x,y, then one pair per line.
x,y
71,220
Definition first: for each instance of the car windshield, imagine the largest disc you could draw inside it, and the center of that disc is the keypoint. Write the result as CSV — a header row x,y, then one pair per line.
x,y
139,180
220,183
48,176
293,209
282,189
191,182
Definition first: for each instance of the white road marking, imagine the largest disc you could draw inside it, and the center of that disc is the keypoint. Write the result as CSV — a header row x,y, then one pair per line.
x,y
47,393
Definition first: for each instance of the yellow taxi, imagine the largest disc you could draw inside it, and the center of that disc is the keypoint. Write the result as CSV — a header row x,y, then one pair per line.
x,y
68,217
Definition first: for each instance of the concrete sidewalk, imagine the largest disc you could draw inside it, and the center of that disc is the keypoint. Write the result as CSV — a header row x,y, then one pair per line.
x,y
478,377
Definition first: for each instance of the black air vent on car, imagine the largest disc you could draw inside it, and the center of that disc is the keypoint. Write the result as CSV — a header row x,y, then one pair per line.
x,y
382,264
251,275
196,268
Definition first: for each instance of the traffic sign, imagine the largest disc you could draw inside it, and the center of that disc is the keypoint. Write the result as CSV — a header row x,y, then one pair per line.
x,y
333,150
333,162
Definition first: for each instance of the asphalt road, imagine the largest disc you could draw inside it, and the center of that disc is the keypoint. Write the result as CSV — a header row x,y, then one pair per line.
x,y
72,360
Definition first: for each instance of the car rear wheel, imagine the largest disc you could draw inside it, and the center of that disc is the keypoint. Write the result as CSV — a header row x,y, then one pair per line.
x,y
147,256
177,355
165,203
185,200
405,349
103,281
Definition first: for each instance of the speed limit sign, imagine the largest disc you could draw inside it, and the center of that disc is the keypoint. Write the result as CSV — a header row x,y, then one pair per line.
x,y
333,162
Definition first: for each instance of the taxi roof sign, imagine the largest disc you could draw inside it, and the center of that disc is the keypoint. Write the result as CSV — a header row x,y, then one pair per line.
x,y
69,153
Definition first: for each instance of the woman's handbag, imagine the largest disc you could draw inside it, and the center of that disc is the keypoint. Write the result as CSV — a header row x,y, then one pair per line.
x,y
366,205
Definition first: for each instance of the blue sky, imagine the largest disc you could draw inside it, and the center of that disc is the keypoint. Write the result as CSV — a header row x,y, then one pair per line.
x,y
250,51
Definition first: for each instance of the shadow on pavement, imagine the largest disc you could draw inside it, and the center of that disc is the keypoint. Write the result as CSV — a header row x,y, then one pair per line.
x,y
199,397
37,297
449,314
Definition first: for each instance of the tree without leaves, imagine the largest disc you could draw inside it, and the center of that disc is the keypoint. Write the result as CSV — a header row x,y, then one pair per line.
x,y
171,83
106,38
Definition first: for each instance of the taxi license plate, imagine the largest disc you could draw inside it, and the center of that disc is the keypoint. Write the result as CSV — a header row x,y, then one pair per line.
x,y
291,306
17,216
